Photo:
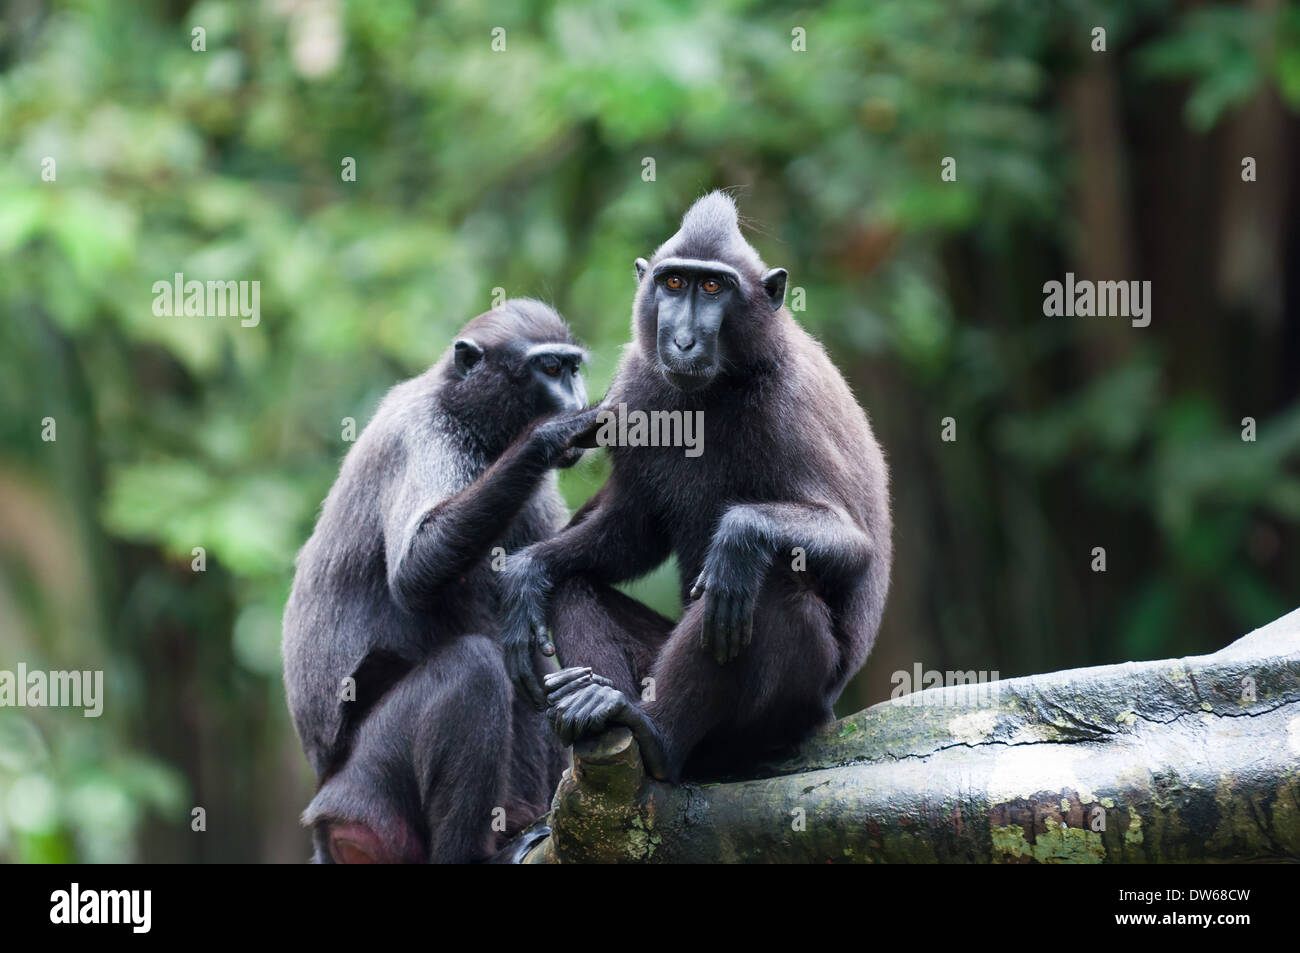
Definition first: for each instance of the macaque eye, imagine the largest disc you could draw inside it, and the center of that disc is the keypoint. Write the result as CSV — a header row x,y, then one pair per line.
x,y
711,285
674,283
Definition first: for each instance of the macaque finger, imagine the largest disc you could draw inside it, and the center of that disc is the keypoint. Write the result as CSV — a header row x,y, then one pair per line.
x,y
720,638
589,425
585,716
570,702
556,695
733,626
565,675
531,687
709,628
563,730
743,625
525,678
735,623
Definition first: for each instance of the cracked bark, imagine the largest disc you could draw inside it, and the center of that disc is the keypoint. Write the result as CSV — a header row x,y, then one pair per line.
x,y
1192,759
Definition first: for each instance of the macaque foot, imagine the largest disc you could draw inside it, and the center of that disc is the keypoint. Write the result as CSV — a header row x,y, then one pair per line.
x,y
580,703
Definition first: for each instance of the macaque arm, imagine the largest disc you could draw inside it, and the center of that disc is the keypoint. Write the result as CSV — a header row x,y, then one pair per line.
x,y
430,545
609,539
835,547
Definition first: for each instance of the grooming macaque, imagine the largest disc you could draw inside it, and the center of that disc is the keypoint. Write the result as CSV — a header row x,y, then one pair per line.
x,y
394,674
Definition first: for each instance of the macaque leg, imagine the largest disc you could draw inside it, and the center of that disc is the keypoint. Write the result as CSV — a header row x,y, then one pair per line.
x,y
704,716
429,771
597,627
775,692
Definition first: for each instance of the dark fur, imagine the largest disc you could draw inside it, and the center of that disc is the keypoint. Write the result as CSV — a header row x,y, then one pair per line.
x,y
789,460
395,589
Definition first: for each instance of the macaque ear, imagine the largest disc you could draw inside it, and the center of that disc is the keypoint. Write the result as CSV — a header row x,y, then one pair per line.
x,y
774,287
467,354
642,266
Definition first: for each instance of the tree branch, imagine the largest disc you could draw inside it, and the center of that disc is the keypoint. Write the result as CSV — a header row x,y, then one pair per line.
x,y
1193,759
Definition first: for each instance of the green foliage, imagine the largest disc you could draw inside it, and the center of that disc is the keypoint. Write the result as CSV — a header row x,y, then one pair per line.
x,y
1227,51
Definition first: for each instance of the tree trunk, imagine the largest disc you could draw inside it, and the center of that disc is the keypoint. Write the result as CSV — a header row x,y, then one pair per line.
x,y
1193,759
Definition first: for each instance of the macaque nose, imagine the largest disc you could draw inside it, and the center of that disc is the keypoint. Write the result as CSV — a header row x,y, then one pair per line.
x,y
684,342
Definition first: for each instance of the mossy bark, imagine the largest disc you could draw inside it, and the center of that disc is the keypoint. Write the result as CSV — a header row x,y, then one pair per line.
x,y
1193,759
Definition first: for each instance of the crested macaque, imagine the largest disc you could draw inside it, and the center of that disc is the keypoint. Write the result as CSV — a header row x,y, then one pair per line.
x,y
394,674
781,528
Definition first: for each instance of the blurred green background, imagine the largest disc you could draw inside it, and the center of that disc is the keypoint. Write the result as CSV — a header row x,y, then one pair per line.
x,y
523,169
